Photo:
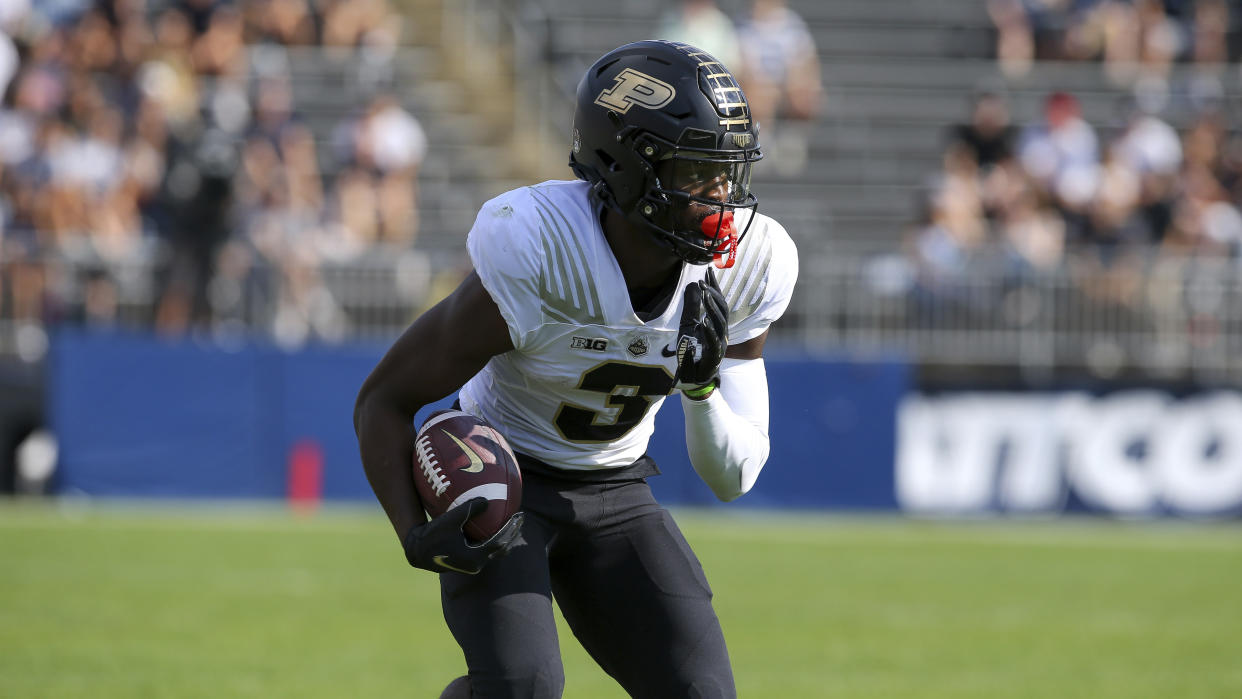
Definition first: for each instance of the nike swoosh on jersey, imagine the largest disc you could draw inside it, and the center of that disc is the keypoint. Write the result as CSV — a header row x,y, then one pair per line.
x,y
442,562
666,352
476,464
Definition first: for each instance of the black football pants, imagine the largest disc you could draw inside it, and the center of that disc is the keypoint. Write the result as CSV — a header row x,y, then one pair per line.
x,y
626,581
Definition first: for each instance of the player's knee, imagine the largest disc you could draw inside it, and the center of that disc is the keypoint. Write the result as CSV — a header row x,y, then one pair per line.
x,y
711,688
542,685
457,689
714,685
544,680
704,673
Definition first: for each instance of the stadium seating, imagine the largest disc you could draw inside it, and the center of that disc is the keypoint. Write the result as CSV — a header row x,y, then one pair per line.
x,y
326,91
896,75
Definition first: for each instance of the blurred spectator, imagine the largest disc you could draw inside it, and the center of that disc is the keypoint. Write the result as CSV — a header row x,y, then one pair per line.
x,y
1061,152
393,137
1015,37
703,24
1033,233
1208,33
280,208
1151,149
779,70
360,23
1133,38
368,29
1112,239
168,75
283,22
220,49
377,194
273,109
1205,216
1149,145
989,135
134,38
1114,224
1229,168
987,140
201,12
1161,36
953,239
91,45
198,190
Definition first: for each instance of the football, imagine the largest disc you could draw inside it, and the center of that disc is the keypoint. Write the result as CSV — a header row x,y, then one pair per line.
x,y
458,457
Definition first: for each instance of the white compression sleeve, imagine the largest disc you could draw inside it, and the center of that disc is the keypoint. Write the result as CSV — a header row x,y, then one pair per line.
x,y
727,433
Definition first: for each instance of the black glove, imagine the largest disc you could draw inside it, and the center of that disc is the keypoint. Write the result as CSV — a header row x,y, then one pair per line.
x,y
704,334
440,544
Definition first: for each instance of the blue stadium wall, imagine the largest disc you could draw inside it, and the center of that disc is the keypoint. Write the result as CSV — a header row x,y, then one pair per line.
x,y
141,417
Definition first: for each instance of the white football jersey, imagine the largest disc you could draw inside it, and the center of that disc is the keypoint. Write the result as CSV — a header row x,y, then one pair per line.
x,y
581,387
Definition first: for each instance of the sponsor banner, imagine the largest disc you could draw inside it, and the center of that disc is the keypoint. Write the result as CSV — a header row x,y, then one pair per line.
x,y
1131,453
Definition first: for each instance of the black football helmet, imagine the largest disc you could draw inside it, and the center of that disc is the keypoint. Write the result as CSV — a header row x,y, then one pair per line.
x,y
663,132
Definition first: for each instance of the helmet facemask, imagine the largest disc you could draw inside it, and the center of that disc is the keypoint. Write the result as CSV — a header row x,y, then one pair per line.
x,y
692,202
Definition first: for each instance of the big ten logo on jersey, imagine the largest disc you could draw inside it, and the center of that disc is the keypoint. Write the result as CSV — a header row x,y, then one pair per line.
x,y
633,87
1135,453
594,344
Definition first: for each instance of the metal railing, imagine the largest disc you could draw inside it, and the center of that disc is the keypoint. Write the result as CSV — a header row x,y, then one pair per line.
x,y
370,297
1157,316
1154,315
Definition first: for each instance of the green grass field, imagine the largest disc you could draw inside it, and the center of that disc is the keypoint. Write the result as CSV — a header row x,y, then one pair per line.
x,y
211,602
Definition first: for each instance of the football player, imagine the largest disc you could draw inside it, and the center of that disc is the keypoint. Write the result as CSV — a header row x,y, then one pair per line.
x,y
591,301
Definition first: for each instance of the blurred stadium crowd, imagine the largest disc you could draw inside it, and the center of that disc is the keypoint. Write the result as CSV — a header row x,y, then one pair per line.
x,y
157,146
1057,190
154,150
1128,36
1062,183
1121,205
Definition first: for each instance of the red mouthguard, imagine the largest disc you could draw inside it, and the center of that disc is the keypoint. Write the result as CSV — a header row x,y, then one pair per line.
x,y
718,228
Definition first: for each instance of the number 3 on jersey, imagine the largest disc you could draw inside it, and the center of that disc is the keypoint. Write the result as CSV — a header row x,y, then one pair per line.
x,y
630,389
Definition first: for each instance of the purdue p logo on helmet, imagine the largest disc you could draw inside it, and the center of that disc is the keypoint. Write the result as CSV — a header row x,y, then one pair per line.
x,y
633,87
